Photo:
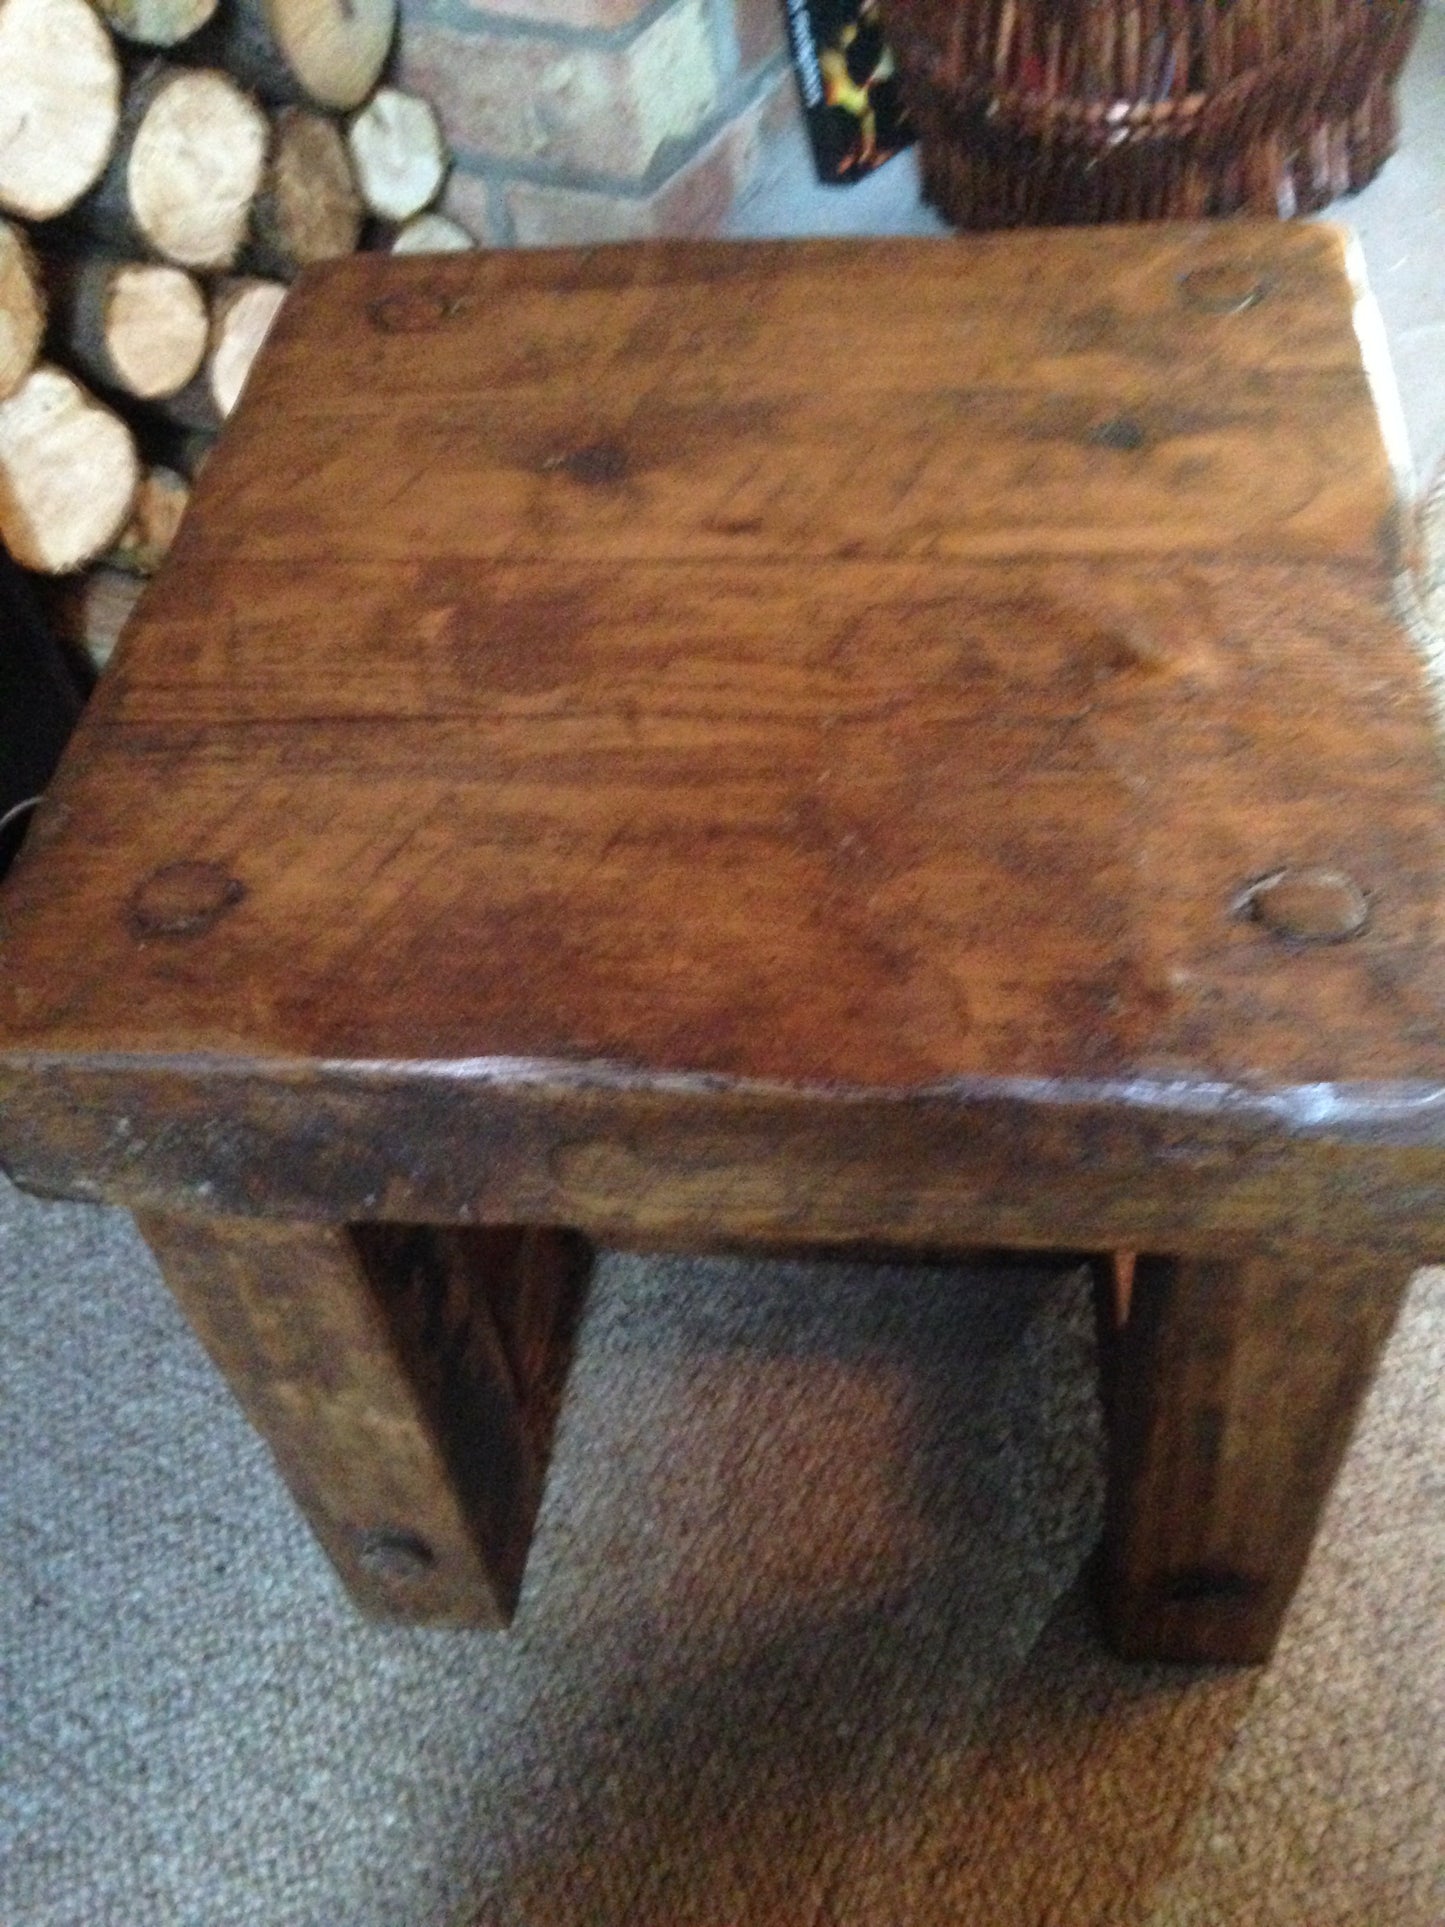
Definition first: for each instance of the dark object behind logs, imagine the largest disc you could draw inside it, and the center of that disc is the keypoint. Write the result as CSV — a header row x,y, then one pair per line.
x,y
1045,112
40,703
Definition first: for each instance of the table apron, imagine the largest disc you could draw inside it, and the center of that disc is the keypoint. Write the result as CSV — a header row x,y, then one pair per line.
x,y
697,1164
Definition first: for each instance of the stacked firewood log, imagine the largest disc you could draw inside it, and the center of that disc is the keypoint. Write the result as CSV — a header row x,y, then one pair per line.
x,y
166,168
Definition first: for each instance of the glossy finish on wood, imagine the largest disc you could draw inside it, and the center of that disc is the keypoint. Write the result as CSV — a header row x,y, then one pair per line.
x,y
406,1381
897,743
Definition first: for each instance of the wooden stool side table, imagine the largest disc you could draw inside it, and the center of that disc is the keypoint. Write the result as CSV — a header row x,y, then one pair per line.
x,y
702,745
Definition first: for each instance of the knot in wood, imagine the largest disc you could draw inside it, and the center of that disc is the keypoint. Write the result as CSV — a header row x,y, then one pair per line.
x,y
595,464
1308,906
1122,432
183,900
413,312
393,1554
1226,289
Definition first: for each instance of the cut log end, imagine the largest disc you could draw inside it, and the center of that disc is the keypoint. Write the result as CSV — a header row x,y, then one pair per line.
x,y
195,167
242,320
88,612
399,154
68,473
336,48
317,53
146,539
22,309
431,234
156,23
59,104
156,329
309,208
135,327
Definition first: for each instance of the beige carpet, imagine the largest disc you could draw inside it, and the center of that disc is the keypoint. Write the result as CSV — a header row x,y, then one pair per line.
x,y
802,1645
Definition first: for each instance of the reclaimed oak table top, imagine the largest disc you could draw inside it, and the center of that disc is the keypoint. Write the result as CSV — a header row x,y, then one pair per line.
x,y
780,744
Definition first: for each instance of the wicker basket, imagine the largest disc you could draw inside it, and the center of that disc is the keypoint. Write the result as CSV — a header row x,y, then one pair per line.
x,y
1053,111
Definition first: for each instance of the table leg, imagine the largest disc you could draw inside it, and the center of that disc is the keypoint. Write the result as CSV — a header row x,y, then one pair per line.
x,y
406,1380
1230,1392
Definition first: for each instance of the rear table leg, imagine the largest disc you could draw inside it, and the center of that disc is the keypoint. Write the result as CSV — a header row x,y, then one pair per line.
x,y
406,1380
1230,1393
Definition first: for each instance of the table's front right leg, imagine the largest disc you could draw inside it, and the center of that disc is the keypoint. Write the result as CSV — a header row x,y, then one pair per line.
x,y
406,1379
1230,1390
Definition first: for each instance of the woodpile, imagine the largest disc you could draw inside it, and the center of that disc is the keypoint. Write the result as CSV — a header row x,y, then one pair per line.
x,y
22,309
241,315
157,23
429,234
138,328
184,170
87,612
167,167
160,502
398,154
309,207
297,53
68,473
59,107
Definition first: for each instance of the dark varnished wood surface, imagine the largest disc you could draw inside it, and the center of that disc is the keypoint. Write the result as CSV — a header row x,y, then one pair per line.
x,y
763,740
1230,1391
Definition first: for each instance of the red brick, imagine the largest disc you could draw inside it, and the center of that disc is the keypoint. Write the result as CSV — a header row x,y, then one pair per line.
x,y
593,110
699,197
781,108
608,15
559,216
696,201
469,199
761,35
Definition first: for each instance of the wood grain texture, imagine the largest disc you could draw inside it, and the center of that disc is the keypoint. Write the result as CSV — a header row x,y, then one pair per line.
x,y
383,1367
186,166
764,740
1230,1395
748,401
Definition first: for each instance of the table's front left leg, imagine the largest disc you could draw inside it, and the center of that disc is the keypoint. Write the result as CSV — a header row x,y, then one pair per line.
x,y
1230,1390
406,1379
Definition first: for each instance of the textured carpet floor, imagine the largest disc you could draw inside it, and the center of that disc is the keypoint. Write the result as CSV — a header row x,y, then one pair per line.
x,y
802,1643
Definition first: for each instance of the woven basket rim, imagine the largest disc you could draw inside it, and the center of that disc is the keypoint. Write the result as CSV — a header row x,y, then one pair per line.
x,y
1324,73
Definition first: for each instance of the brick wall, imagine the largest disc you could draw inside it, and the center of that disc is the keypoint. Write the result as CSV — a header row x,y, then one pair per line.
x,y
583,120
